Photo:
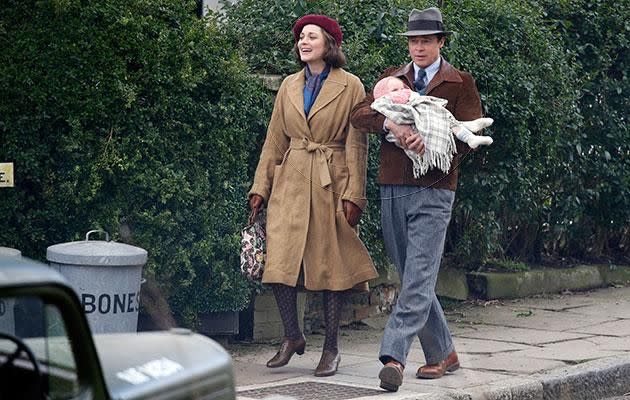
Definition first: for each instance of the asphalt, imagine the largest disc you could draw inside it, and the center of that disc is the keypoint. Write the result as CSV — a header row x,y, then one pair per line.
x,y
552,347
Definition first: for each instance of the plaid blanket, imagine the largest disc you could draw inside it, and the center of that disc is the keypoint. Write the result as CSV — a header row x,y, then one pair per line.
x,y
432,120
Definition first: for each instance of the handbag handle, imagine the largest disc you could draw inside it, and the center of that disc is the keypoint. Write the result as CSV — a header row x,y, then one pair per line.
x,y
252,216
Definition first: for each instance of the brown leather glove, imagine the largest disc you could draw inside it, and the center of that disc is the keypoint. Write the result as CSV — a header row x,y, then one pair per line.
x,y
352,212
256,203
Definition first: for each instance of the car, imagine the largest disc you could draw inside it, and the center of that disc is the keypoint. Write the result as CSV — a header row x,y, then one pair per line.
x,y
47,350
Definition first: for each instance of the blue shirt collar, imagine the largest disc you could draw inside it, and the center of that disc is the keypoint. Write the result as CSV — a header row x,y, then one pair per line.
x,y
431,70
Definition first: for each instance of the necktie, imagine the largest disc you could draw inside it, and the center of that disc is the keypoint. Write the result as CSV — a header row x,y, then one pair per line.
x,y
419,82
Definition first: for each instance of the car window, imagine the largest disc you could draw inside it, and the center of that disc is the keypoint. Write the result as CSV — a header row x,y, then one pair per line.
x,y
35,351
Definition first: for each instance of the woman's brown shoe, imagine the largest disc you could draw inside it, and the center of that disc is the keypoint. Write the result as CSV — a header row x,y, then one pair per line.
x,y
328,364
287,349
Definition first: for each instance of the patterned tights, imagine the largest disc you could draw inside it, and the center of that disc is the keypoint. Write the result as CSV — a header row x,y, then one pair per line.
x,y
333,301
286,298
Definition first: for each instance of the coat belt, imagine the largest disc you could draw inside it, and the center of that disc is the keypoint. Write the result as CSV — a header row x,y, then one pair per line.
x,y
323,154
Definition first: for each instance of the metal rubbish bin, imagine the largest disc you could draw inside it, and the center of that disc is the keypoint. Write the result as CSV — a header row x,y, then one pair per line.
x,y
107,276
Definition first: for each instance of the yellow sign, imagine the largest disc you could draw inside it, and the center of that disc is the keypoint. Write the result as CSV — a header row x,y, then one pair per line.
x,y
6,174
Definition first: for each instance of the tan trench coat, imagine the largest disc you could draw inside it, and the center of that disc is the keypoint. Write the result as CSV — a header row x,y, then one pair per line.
x,y
306,168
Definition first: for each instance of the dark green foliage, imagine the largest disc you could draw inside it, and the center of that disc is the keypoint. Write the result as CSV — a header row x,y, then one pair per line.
x,y
525,78
137,117
595,192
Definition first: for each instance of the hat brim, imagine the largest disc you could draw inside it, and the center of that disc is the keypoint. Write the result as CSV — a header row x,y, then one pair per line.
x,y
424,33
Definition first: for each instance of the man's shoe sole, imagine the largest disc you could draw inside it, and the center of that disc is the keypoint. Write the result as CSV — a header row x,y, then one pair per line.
x,y
390,378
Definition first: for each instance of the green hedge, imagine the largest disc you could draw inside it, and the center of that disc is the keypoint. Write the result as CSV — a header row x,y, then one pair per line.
x,y
596,188
526,81
137,117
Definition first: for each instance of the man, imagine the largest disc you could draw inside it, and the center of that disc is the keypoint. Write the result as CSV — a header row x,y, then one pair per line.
x,y
416,212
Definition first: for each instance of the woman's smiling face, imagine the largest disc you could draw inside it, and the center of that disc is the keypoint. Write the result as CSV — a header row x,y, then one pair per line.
x,y
312,44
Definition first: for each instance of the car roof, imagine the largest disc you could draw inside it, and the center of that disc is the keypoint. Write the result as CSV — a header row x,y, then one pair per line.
x,y
16,271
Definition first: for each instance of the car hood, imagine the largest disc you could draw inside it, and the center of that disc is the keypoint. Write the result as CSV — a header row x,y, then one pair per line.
x,y
175,364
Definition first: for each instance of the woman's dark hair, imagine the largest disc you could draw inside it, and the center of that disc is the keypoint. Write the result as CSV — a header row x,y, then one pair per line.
x,y
333,56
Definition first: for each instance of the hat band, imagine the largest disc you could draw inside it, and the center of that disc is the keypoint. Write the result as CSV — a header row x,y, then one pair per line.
x,y
425,25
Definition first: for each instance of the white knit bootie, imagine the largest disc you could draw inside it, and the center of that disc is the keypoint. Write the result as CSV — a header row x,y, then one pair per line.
x,y
478,124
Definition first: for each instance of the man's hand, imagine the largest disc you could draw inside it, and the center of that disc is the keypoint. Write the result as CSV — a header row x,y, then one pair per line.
x,y
352,212
408,139
256,202
415,143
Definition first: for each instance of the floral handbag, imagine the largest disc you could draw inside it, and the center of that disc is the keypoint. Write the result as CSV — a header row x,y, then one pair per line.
x,y
253,248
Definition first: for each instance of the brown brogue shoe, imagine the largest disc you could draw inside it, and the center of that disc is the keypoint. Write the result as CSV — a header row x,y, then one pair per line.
x,y
434,371
328,364
287,349
391,376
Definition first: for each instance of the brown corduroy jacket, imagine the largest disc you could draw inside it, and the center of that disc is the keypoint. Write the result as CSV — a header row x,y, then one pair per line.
x,y
396,168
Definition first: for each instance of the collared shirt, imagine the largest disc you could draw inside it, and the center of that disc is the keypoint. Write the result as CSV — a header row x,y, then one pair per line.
x,y
312,86
431,70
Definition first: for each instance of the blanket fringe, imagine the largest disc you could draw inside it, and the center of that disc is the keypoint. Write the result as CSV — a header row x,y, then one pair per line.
x,y
430,159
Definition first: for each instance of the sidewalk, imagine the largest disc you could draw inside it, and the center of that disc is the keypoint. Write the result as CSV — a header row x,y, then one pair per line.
x,y
569,346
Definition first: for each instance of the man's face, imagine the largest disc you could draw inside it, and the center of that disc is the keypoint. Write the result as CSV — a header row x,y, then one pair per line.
x,y
424,50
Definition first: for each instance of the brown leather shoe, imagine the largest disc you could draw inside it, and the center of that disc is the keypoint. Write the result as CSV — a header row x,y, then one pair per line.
x,y
391,376
328,364
287,349
434,371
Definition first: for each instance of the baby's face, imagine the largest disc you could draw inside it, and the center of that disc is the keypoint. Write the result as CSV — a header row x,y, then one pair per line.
x,y
395,84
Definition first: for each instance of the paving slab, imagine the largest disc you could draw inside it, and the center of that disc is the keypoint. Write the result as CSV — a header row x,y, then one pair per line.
x,y
486,346
521,335
570,351
613,309
616,344
515,365
369,350
556,302
614,328
527,317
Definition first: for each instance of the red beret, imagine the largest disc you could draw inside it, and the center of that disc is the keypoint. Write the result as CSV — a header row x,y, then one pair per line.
x,y
326,23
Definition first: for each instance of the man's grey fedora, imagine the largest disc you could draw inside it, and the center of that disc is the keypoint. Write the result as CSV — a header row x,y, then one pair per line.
x,y
425,22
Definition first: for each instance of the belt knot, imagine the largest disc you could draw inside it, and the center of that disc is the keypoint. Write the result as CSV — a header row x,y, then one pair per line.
x,y
323,156
310,146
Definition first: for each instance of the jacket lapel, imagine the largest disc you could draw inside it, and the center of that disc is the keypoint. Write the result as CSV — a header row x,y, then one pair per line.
x,y
406,73
446,73
333,86
295,91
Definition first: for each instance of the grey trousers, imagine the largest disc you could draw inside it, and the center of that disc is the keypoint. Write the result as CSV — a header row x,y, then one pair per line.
x,y
414,223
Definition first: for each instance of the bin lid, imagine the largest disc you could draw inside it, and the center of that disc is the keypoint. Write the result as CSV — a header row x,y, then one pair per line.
x,y
96,252
8,251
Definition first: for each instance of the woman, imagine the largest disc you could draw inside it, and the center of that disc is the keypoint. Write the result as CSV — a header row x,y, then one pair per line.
x,y
311,175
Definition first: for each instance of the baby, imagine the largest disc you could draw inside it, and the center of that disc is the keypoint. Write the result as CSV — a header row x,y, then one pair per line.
x,y
430,117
